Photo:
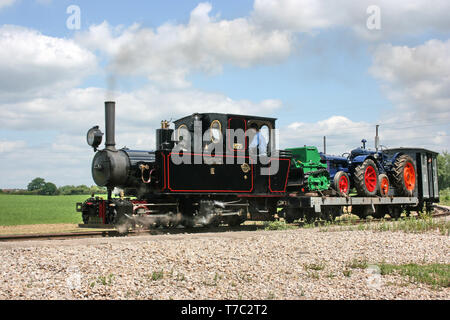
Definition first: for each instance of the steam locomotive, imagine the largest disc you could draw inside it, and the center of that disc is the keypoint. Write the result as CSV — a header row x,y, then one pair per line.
x,y
208,171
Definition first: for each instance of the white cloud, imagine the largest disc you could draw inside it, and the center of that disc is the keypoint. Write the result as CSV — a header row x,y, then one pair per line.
x,y
342,134
33,64
416,79
166,55
73,110
6,3
397,17
8,146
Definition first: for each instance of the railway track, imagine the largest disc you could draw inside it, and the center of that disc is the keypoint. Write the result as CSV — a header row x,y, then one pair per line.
x,y
439,211
114,233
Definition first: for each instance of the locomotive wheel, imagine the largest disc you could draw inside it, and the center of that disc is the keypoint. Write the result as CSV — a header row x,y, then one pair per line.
x,y
188,222
235,221
404,176
85,217
342,183
291,214
366,178
383,185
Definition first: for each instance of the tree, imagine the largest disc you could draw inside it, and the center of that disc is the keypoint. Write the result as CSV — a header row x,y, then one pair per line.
x,y
48,189
36,184
444,170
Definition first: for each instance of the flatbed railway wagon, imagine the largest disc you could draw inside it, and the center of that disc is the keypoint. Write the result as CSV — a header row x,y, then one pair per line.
x,y
425,192
208,170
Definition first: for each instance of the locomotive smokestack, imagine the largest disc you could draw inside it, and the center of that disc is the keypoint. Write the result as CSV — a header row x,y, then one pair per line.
x,y
110,115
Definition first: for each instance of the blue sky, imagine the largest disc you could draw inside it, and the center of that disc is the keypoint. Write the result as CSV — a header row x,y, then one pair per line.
x,y
314,65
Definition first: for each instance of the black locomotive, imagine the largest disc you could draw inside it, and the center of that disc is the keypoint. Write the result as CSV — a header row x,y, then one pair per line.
x,y
203,172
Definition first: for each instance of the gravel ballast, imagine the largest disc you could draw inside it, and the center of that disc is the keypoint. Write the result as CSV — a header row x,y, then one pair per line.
x,y
290,264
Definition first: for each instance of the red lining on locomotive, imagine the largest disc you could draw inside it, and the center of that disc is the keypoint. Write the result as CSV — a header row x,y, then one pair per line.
x,y
287,175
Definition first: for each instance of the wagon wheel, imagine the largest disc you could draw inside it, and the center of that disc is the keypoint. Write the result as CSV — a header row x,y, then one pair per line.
x,y
395,212
362,211
383,185
404,175
366,178
328,213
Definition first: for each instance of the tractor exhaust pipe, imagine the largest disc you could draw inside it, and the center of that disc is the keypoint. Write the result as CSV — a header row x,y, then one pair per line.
x,y
110,115
377,138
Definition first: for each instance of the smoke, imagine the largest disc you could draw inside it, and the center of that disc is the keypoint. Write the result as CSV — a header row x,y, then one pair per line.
x,y
111,84
157,220
164,220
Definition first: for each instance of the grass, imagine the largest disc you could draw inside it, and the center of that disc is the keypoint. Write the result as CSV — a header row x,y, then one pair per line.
x,y
157,275
30,209
407,224
412,225
358,264
314,266
103,280
444,197
278,225
436,275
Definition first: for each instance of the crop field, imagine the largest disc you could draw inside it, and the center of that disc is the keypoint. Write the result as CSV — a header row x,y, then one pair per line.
x,y
26,209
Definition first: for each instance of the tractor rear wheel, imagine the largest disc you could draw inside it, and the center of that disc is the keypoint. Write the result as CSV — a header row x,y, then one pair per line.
x,y
341,183
404,176
366,178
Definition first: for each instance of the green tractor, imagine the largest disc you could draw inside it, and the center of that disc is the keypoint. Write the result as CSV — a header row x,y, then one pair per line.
x,y
312,174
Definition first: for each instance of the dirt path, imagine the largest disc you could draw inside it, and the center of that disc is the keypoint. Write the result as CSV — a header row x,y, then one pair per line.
x,y
41,229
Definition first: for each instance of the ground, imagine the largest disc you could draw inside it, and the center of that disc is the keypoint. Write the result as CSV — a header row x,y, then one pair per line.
x,y
39,229
287,264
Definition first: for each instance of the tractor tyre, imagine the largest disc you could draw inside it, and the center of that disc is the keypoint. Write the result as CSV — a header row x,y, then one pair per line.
x,y
404,176
383,185
341,183
365,178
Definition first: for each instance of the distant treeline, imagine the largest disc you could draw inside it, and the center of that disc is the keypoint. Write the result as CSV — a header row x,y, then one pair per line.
x,y
40,187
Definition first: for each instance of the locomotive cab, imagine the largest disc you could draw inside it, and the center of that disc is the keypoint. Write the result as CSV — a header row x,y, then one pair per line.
x,y
218,156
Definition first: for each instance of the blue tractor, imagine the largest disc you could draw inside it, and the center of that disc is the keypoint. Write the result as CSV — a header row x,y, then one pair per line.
x,y
372,173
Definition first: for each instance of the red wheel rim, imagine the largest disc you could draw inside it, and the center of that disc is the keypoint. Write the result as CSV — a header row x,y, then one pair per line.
x,y
343,184
370,178
409,175
384,186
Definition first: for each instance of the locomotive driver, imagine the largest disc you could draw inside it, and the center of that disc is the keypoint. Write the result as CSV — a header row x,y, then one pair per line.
x,y
258,144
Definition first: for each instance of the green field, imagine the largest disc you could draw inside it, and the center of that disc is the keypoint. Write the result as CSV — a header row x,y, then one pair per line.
x,y
25,209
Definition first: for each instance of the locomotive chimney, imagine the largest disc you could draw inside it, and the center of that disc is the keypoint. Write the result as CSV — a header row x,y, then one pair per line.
x,y
110,110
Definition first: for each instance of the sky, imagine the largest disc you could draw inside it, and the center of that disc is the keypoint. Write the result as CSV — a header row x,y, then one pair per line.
x,y
334,69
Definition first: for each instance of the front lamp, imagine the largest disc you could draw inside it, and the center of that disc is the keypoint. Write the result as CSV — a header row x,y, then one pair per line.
x,y
94,137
